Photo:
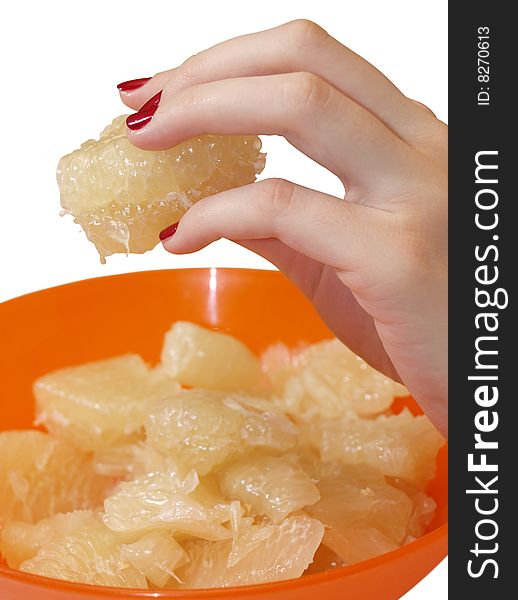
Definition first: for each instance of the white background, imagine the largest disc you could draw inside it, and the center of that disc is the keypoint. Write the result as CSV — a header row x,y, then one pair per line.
x,y
61,61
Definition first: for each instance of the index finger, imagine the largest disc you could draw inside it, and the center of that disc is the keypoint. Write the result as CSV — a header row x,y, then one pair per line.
x,y
296,46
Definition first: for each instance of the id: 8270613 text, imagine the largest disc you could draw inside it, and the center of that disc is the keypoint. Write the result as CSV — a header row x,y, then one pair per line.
x,y
483,66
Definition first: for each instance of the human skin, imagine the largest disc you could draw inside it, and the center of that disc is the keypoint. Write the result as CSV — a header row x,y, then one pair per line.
x,y
373,263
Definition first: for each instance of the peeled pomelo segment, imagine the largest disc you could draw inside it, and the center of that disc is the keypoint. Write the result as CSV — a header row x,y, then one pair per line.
x,y
358,497
398,445
423,509
209,493
131,460
102,403
199,357
247,539
196,428
20,541
264,424
355,545
41,475
327,380
165,501
155,555
272,486
203,429
88,556
284,554
123,196
119,461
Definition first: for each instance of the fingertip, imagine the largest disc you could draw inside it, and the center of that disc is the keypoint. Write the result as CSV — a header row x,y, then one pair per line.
x,y
168,246
131,99
131,91
134,136
168,237
173,248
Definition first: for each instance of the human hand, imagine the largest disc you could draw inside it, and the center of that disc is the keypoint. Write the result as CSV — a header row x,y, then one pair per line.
x,y
375,263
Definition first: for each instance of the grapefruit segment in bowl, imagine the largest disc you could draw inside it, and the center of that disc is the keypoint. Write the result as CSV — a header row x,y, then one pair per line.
x,y
163,500
41,475
155,555
327,380
20,541
88,556
284,554
144,483
103,403
200,357
272,486
203,429
401,445
356,497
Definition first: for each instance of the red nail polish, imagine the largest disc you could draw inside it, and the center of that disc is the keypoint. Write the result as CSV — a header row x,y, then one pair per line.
x,y
144,114
168,232
139,119
132,84
152,103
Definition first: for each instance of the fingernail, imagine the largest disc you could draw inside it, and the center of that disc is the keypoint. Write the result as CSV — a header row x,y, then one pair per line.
x,y
132,84
168,232
138,120
145,113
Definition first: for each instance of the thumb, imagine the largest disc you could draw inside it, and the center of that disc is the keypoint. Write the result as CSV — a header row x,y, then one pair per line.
x,y
346,236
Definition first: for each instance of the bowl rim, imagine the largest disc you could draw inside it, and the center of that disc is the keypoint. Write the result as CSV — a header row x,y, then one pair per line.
x,y
208,271
440,534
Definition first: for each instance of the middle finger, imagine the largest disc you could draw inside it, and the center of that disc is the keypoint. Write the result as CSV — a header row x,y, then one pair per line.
x,y
329,127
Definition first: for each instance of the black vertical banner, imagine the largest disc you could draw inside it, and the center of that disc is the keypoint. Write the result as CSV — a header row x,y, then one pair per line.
x,y
483,233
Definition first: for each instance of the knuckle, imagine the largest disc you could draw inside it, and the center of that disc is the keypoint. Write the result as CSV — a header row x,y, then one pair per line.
x,y
422,244
307,93
277,199
424,108
304,34
191,70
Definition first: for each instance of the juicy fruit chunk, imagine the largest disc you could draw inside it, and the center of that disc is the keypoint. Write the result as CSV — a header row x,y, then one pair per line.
x,y
155,555
41,475
101,403
355,499
165,501
357,496
398,445
88,556
199,357
119,461
423,508
355,545
264,426
272,486
197,428
246,539
123,196
214,487
203,429
284,554
328,380
20,541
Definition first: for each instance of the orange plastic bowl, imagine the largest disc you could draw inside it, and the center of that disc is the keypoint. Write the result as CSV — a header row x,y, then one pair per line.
x,y
103,317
